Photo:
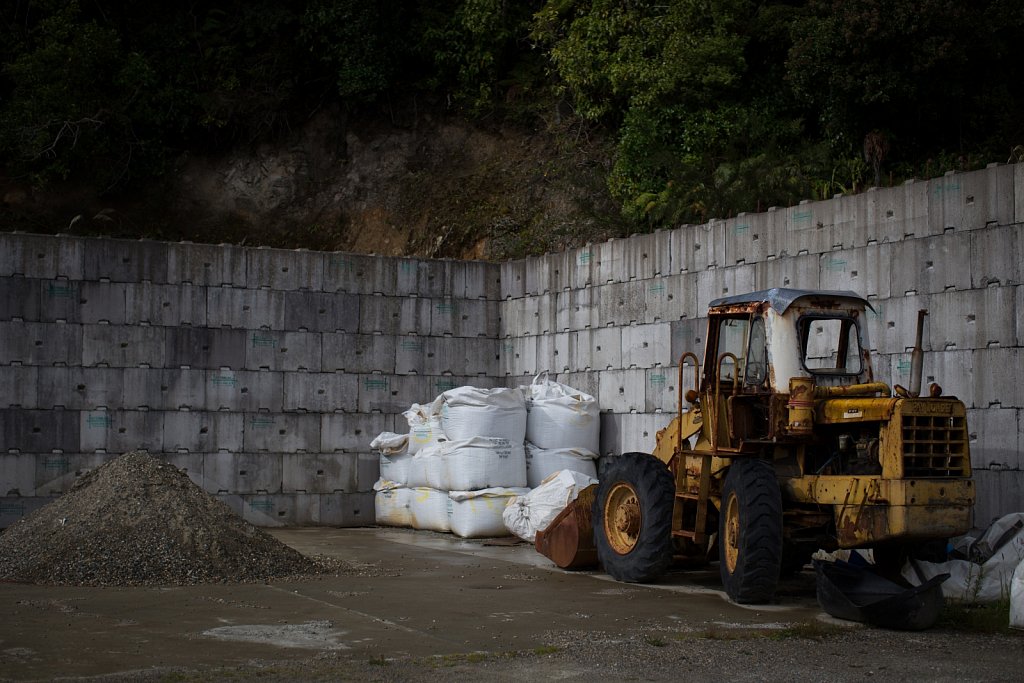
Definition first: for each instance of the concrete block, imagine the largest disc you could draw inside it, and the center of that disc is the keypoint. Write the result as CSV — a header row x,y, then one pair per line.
x,y
393,394
553,352
621,303
76,388
206,265
362,353
21,387
40,343
235,390
974,319
281,432
622,391
518,356
662,385
280,509
1018,193
202,431
851,213
242,473
892,324
424,278
56,473
450,356
13,508
320,392
581,355
698,247
320,312
124,260
996,378
995,437
688,335
896,213
645,346
205,348
546,310
631,433
934,264
748,239
581,306
347,509
865,270
321,472
606,348
413,316
41,256
798,272
120,431
670,297
100,302
812,227
367,471
465,318
248,309
973,200
999,492
520,316
39,431
283,351
605,265
166,305
642,257
538,275
18,474
189,463
997,256
285,270
481,358
477,280
410,354
59,301
720,282
580,265
20,298
120,346
952,370
352,432
513,279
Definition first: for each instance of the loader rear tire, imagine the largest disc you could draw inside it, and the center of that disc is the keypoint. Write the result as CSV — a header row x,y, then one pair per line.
x,y
750,532
632,516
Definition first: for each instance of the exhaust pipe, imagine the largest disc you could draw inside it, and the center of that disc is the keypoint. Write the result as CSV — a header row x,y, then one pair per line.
x,y
917,356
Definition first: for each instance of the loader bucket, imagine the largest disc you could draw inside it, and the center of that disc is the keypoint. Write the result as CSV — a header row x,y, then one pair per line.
x,y
858,594
569,540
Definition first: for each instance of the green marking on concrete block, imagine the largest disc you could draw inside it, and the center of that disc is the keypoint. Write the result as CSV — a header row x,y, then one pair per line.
x,y
411,346
658,380
262,505
99,422
835,264
584,258
508,347
223,381
877,311
741,228
903,366
259,340
407,266
943,188
445,308
12,509
60,291
56,465
802,217
375,384
341,263
260,422
444,385
657,288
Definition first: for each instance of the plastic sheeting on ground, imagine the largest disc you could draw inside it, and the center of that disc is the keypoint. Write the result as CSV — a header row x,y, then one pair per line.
x,y
543,462
478,514
530,513
562,417
996,554
468,412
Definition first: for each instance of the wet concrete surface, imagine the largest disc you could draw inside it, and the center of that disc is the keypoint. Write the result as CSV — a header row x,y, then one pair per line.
x,y
414,594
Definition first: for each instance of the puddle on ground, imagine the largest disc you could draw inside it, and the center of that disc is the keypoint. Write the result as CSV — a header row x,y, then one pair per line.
x,y
314,635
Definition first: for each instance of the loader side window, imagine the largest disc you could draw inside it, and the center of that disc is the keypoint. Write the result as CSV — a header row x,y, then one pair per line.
x,y
757,355
831,346
732,338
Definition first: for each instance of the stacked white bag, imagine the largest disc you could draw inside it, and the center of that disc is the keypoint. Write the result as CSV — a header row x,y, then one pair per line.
x,y
563,430
462,461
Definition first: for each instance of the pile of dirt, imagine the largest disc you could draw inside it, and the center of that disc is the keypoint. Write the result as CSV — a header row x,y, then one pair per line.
x,y
136,521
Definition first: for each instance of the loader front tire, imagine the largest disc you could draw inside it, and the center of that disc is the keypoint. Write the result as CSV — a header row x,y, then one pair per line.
x,y
750,532
632,516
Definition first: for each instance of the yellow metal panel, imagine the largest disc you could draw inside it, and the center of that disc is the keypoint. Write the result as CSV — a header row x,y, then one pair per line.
x,y
840,410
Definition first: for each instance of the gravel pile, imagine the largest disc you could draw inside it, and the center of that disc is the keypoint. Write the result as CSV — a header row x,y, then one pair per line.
x,y
136,521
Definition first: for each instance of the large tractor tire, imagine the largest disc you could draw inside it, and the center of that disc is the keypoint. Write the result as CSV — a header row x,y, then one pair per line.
x,y
633,518
750,532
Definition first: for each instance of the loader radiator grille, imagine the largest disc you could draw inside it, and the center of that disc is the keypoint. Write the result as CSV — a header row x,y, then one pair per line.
x,y
934,446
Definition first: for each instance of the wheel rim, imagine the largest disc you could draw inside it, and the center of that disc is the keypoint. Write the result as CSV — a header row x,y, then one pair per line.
x,y
622,518
732,533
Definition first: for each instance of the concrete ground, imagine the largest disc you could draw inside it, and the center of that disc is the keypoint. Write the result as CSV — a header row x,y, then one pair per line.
x,y
416,596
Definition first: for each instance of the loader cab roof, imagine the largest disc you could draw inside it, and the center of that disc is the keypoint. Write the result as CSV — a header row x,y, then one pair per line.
x,y
781,298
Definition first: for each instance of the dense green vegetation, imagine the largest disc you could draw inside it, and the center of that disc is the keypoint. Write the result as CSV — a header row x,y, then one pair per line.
x,y
714,106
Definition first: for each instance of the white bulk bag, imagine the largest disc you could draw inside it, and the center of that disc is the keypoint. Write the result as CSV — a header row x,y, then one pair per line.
x,y
1017,597
478,463
392,503
526,515
429,509
477,514
389,442
395,467
562,417
424,427
416,471
543,462
467,412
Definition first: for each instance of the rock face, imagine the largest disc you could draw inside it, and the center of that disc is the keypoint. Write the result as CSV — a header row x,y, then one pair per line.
x,y
136,521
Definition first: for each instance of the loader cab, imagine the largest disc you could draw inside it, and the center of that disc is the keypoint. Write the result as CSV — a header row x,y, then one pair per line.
x,y
738,343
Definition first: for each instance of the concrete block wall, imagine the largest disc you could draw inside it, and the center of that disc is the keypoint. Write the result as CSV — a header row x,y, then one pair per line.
x,y
613,318
265,373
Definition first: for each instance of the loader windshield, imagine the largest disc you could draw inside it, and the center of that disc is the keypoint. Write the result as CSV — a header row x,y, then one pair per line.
x,y
831,345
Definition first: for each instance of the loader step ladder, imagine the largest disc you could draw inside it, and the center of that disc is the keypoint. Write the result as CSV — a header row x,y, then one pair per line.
x,y
690,506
